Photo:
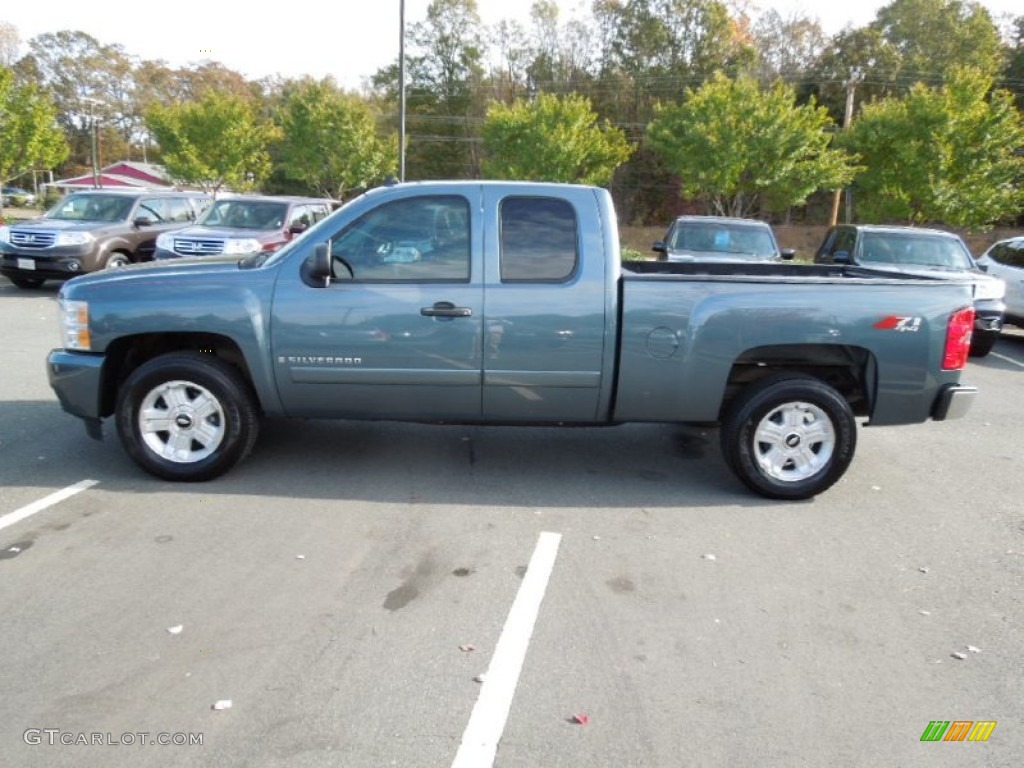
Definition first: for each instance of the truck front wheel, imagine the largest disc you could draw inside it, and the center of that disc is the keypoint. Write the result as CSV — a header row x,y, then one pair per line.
x,y
186,416
789,437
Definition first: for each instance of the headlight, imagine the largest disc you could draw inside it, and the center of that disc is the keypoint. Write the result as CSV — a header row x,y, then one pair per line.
x,y
989,289
5,234
74,324
73,238
165,242
246,245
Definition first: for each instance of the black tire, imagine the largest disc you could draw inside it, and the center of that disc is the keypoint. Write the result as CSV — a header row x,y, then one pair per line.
x,y
27,283
116,260
209,413
804,458
981,344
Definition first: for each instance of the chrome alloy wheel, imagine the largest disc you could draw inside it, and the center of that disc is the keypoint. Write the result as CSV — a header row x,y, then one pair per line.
x,y
794,441
181,421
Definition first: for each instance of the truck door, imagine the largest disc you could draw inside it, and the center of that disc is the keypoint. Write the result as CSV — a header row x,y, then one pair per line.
x,y
547,293
396,332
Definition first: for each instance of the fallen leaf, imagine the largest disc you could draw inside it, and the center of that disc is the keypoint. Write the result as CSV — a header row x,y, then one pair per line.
x,y
467,648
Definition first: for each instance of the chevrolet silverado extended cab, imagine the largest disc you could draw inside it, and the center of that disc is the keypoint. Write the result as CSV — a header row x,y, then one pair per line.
x,y
506,303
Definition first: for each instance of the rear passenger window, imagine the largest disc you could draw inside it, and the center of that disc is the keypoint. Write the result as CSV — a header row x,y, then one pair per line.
x,y
538,240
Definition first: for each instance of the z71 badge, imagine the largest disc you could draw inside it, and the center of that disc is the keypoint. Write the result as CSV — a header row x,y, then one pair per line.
x,y
901,324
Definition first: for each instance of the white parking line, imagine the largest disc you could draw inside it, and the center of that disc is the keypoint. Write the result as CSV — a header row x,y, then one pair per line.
x,y
38,506
1008,359
480,739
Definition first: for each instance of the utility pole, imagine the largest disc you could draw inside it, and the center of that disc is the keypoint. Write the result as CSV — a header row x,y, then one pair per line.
x,y
94,139
856,76
401,90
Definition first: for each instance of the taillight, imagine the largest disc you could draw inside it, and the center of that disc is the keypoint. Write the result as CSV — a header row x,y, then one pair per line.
x,y
958,339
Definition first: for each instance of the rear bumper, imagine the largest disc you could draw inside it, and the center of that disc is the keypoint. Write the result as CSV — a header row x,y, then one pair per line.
x,y
953,402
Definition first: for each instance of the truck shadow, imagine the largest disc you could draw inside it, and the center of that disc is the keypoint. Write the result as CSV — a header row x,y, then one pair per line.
x,y
633,465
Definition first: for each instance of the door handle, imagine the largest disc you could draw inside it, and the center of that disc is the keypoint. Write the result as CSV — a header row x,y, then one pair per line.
x,y
445,309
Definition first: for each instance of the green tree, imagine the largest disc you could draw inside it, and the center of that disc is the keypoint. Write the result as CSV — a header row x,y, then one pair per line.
x,y
1013,71
445,71
787,46
329,139
941,154
29,135
740,148
89,81
216,141
551,139
909,41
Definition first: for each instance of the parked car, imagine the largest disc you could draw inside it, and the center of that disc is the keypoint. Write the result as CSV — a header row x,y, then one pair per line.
x,y
93,230
720,239
244,225
17,196
929,252
1005,260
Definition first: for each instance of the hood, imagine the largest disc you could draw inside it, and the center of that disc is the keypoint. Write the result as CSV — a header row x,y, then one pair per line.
x,y
985,286
175,273
63,225
719,257
225,233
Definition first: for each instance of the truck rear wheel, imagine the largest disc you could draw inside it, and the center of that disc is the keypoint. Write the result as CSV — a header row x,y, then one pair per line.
x,y
186,416
789,437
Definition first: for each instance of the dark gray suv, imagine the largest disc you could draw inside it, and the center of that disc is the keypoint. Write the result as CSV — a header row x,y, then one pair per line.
x,y
92,230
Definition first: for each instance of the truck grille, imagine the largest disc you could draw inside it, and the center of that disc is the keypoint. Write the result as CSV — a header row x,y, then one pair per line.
x,y
30,239
190,246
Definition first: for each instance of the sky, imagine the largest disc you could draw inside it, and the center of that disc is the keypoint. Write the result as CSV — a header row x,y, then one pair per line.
x,y
347,39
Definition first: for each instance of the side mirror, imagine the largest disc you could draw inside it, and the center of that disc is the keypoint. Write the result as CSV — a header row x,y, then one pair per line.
x,y
788,254
841,257
659,247
143,221
297,229
316,270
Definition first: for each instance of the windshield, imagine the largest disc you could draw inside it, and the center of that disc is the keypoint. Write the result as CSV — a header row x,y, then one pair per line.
x,y
245,214
92,208
914,248
723,238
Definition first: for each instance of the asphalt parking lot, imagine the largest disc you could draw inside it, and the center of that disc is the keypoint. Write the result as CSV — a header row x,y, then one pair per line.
x,y
361,594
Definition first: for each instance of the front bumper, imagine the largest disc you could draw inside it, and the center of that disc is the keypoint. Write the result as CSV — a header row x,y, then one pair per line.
x,y
953,402
988,316
77,379
53,264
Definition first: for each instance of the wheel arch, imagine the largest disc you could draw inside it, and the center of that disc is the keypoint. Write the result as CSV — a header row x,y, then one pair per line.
x,y
850,370
125,354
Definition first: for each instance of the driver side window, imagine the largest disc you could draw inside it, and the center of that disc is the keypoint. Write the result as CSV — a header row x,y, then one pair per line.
x,y
418,239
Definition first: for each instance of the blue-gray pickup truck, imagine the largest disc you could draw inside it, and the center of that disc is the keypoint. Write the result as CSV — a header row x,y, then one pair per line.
x,y
507,303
